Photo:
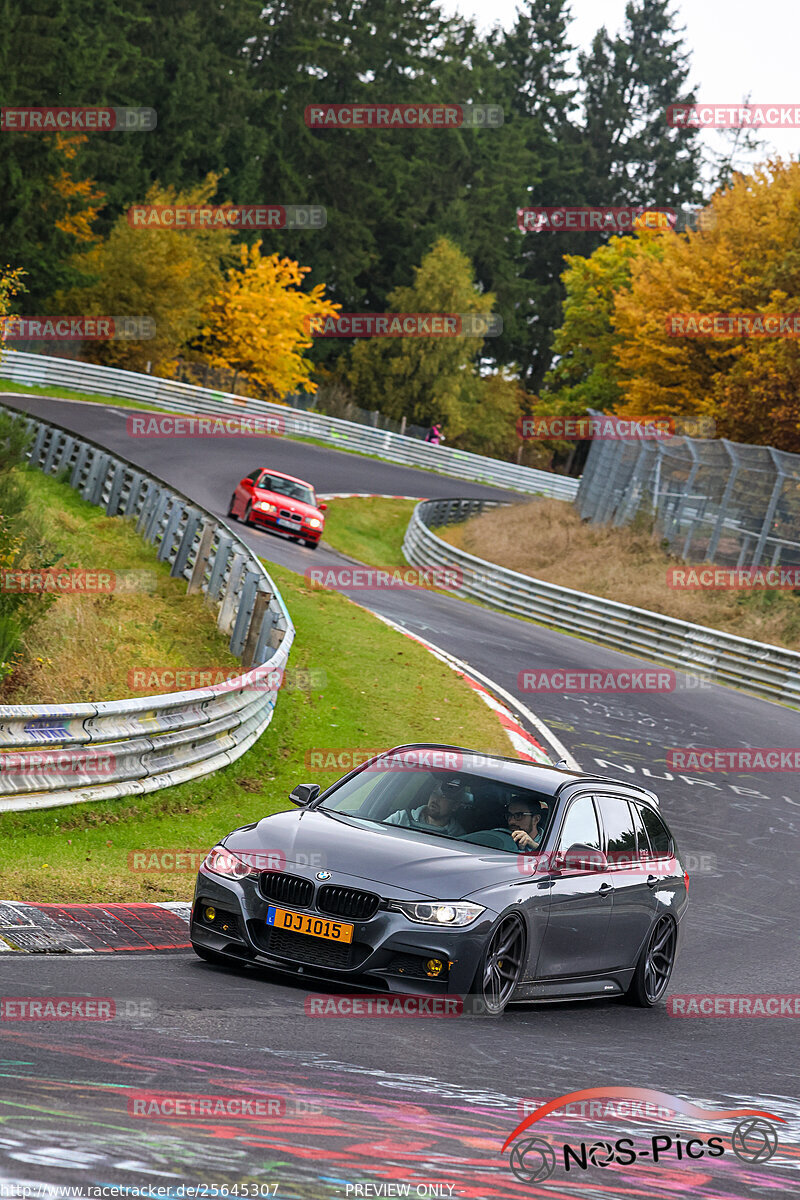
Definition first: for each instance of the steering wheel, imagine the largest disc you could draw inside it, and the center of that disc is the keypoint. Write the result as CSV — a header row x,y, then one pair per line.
x,y
495,839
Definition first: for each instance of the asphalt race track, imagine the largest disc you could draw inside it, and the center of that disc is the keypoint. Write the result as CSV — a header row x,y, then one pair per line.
x,y
363,1102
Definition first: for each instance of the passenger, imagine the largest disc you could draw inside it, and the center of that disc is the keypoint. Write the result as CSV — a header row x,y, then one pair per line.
x,y
523,817
438,815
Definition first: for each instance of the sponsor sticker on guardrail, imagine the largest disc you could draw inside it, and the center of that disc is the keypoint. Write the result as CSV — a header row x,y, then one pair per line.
x,y
595,218
227,216
403,116
213,425
83,119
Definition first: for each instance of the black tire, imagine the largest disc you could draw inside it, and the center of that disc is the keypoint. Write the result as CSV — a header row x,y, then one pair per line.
x,y
248,513
312,545
231,514
210,956
501,964
654,968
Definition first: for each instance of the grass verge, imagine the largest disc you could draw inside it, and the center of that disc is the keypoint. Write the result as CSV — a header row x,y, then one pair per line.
x,y
85,645
370,530
548,540
381,689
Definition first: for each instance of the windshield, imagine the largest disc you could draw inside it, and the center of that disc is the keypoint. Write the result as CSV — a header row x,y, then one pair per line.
x,y
287,487
456,805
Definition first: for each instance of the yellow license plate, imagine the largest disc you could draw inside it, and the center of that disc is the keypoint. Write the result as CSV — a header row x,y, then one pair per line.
x,y
319,927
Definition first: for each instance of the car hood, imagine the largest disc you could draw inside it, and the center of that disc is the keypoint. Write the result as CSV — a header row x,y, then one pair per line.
x,y
403,862
295,506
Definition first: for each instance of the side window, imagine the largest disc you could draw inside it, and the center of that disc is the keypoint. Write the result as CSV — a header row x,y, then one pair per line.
x,y
618,826
642,844
657,832
580,825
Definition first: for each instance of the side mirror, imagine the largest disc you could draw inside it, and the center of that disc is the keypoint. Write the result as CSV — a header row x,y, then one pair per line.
x,y
304,793
322,507
584,858
247,483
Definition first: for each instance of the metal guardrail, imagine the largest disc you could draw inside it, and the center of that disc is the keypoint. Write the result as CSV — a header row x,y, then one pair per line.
x,y
755,667
53,754
39,370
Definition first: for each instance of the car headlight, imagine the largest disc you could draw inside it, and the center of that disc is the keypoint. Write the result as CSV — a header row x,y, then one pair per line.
x,y
314,523
223,862
439,912
265,506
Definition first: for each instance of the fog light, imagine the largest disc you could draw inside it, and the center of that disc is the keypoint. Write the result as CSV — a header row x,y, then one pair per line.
x,y
210,913
434,967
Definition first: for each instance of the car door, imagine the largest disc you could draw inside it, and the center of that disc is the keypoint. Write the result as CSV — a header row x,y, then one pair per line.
x,y
579,913
243,493
634,901
664,873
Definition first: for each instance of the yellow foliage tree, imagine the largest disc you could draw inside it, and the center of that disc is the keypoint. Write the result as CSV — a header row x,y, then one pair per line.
x,y
165,274
258,323
744,259
81,197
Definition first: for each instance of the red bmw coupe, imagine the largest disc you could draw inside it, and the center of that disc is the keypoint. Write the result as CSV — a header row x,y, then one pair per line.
x,y
271,500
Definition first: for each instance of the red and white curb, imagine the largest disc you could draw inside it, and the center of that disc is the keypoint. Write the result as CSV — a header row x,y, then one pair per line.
x,y
32,928
524,743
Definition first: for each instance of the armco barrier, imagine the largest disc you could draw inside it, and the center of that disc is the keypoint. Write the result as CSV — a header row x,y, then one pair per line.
x,y
755,667
39,370
156,741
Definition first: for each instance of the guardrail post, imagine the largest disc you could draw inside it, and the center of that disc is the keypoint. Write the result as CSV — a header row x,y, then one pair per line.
x,y
723,504
151,490
115,492
247,602
226,611
55,442
38,445
65,455
134,492
224,543
100,476
193,520
256,632
197,577
176,513
77,470
157,515
770,513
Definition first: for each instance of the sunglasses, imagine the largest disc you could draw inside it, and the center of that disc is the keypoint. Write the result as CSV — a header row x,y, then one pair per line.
x,y
525,813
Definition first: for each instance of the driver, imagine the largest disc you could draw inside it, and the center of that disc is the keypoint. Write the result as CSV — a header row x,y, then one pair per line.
x,y
438,815
523,817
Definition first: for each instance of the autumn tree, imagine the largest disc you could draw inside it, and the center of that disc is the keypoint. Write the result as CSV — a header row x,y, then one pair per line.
x,y
426,378
165,274
258,322
743,260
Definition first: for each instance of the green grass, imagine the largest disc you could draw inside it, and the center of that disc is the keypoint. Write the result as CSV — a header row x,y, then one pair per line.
x,y
84,646
9,388
382,689
370,530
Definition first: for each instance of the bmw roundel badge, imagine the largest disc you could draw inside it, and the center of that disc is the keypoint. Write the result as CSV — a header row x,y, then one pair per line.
x,y
323,875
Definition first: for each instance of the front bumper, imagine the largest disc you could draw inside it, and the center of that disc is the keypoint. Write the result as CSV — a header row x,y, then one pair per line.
x,y
387,954
268,521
